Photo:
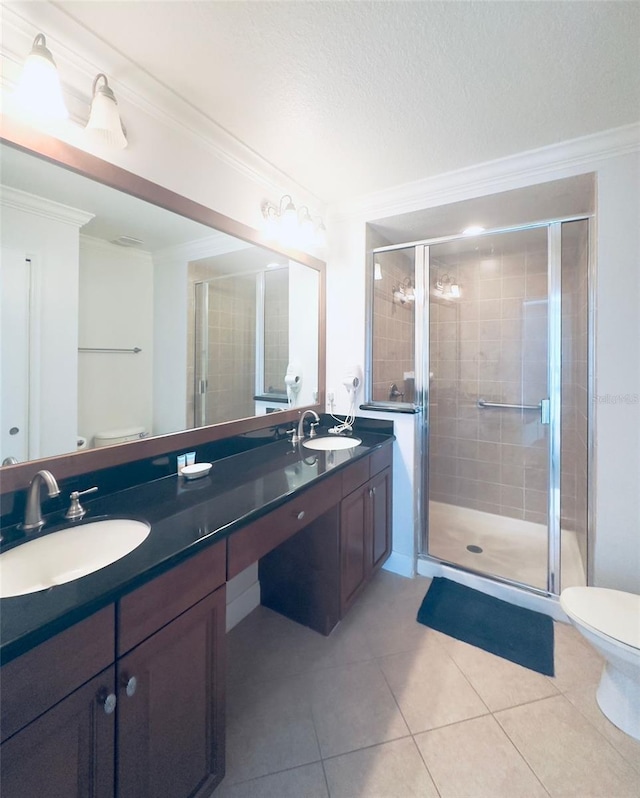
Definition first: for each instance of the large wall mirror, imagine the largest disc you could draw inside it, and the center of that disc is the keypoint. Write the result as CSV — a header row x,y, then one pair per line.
x,y
122,319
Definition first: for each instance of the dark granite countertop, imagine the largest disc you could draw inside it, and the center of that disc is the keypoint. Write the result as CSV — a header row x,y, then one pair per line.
x,y
185,516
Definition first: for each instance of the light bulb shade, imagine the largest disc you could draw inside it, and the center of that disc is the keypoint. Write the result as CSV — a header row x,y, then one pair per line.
x,y
104,125
39,92
377,271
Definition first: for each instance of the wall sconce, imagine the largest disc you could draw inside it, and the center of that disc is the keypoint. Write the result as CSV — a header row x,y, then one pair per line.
x,y
447,287
404,293
104,125
39,92
293,226
377,271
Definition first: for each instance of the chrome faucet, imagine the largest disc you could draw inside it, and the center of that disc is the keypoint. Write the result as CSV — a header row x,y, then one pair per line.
x,y
300,434
33,511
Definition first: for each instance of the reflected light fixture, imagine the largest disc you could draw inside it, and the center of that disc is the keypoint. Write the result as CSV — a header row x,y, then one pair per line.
x,y
404,293
447,287
473,230
104,125
39,92
377,271
293,226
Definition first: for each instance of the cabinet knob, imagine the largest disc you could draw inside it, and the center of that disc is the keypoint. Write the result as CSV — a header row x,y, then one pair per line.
x,y
299,515
130,684
108,701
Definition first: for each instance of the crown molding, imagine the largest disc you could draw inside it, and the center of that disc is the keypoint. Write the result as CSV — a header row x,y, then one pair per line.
x,y
563,159
217,244
80,55
45,208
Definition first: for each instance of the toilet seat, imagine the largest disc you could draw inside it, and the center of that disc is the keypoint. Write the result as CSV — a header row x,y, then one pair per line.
x,y
610,613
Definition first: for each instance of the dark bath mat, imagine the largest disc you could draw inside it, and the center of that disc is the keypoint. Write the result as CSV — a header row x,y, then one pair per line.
x,y
514,633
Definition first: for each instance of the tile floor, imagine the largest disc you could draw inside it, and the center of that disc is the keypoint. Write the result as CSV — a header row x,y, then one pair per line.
x,y
387,708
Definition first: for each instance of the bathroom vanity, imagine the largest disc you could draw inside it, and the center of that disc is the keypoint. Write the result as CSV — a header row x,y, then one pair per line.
x,y
115,684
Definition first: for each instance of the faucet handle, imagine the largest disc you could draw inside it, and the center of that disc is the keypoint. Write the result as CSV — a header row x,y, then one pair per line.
x,y
76,511
312,432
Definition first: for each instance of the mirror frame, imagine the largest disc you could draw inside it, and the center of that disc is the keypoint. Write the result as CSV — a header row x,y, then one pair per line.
x,y
44,147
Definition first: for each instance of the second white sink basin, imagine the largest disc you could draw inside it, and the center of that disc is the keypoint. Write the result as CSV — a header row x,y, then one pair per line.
x,y
68,554
331,443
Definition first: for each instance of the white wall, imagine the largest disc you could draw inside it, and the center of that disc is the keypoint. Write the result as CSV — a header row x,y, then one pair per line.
x,y
48,234
617,462
617,431
115,310
170,325
304,287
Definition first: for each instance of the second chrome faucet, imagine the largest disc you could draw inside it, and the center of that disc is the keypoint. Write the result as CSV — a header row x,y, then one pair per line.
x,y
299,435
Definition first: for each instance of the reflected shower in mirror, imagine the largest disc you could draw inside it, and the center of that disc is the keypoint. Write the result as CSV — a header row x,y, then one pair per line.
x,y
102,327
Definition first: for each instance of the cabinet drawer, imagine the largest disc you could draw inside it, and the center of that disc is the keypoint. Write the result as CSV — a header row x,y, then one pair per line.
x,y
355,475
254,541
153,605
34,682
380,459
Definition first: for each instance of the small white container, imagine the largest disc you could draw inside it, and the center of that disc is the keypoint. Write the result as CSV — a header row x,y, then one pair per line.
x,y
196,470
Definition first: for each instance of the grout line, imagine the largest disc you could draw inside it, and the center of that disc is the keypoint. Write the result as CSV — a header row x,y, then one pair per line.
x,y
367,747
602,733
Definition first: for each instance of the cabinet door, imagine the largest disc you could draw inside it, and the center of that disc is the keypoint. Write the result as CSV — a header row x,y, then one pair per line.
x,y
67,752
380,522
171,707
355,554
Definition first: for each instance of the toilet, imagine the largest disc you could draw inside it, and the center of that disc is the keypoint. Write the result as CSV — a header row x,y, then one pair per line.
x,y
113,436
610,621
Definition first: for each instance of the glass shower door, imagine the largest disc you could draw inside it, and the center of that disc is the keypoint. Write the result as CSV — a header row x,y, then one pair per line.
x,y
488,404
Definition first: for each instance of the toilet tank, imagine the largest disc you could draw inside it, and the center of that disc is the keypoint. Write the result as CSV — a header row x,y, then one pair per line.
x,y
112,436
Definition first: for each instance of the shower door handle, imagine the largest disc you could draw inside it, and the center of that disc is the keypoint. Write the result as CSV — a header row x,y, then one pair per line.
x,y
545,411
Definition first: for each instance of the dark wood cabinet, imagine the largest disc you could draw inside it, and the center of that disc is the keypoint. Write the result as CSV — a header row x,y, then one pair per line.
x,y
380,518
316,573
354,537
67,752
164,733
170,733
365,535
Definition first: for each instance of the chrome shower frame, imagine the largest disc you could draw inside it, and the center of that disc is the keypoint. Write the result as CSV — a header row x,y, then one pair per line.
x,y
421,272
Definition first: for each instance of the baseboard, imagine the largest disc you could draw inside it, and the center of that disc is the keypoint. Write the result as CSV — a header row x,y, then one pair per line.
x,y
242,605
401,564
548,605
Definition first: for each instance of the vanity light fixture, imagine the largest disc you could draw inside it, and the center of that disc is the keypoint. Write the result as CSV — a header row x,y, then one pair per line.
x,y
292,226
39,92
104,125
447,287
404,293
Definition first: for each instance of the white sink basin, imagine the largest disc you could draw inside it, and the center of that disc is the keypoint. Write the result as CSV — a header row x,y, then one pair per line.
x,y
331,443
68,554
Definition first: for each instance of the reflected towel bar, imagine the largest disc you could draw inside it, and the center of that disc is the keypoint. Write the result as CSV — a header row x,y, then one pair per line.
x,y
133,351
482,403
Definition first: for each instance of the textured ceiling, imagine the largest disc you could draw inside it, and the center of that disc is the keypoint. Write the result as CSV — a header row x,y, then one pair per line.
x,y
352,97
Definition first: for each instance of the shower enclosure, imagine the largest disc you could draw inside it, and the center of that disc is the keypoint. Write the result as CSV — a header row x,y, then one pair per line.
x,y
239,349
500,335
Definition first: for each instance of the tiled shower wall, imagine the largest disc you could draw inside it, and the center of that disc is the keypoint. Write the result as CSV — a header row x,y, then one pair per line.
x,y
490,344
393,328
231,331
276,330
